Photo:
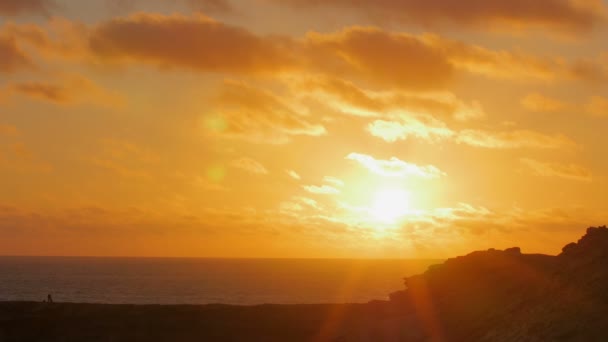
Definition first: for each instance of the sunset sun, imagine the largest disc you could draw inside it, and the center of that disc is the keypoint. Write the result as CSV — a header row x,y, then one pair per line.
x,y
389,205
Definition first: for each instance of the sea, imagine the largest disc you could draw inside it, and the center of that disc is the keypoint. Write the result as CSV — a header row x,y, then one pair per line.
x,y
203,281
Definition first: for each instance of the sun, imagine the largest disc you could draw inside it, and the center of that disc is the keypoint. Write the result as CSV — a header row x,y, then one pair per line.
x,y
389,205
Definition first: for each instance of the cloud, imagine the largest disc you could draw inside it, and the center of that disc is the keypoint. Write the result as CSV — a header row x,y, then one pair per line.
x,y
250,165
8,130
540,103
567,171
300,204
597,106
205,6
517,65
373,56
348,98
56,38
124,158
321,190
565,15
210,6
10,8
405,126
16,156
293,174
192,42
513,139
395,167
70,90
424,127
384,58
337,182
258,115
12,58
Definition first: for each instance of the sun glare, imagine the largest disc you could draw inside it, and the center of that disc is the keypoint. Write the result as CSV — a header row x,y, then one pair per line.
x,y
390,204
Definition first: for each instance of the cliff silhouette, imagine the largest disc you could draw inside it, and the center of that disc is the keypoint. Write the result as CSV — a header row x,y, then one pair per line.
x,y
489,295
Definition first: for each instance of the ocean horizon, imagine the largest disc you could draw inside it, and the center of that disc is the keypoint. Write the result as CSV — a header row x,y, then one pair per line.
x,y
150,280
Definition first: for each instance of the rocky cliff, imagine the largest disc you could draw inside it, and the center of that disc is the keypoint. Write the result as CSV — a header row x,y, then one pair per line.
x,y
509,296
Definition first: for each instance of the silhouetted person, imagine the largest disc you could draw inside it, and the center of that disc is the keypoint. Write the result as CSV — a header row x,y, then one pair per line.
x,y
49,298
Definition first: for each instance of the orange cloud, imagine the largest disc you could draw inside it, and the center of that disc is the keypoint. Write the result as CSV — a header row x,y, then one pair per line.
x,y
337,182
348,98
567,171
258,115
367,55
425,127
293,174
124,158
404,126
513,139
8,130
540,103
11,56
194,42
21,7
205,6
395,167
569,15
384,58
57,38
72,90
16,156
597,106
250,165
321,189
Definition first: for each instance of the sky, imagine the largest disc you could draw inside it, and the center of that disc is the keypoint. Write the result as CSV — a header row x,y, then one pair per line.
x,y
301,128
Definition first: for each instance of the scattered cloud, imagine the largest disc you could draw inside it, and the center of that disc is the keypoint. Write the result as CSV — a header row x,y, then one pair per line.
x,y
405,126
348,98
250,165
8,130
11,8
204,6
597,106
337,182
258,115
192,42
372,55
536,102
564,15
293,174
70,90
567,171
395,167
16,156
321,190
124,158
514,139
12,58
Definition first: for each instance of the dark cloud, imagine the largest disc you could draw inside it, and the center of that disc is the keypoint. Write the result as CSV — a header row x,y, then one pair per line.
x,y
194,42
257,115
11,57
377,56
574,15
25,7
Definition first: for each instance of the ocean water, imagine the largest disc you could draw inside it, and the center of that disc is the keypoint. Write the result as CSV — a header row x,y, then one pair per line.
x,y
202,281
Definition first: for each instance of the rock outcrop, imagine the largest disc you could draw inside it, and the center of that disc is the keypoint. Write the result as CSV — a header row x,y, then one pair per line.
x,y
509,296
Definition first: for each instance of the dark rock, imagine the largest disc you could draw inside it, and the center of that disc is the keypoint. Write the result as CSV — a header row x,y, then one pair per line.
x,y
513,250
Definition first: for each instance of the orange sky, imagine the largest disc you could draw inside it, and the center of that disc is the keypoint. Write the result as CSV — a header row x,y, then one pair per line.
x,y
301,128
